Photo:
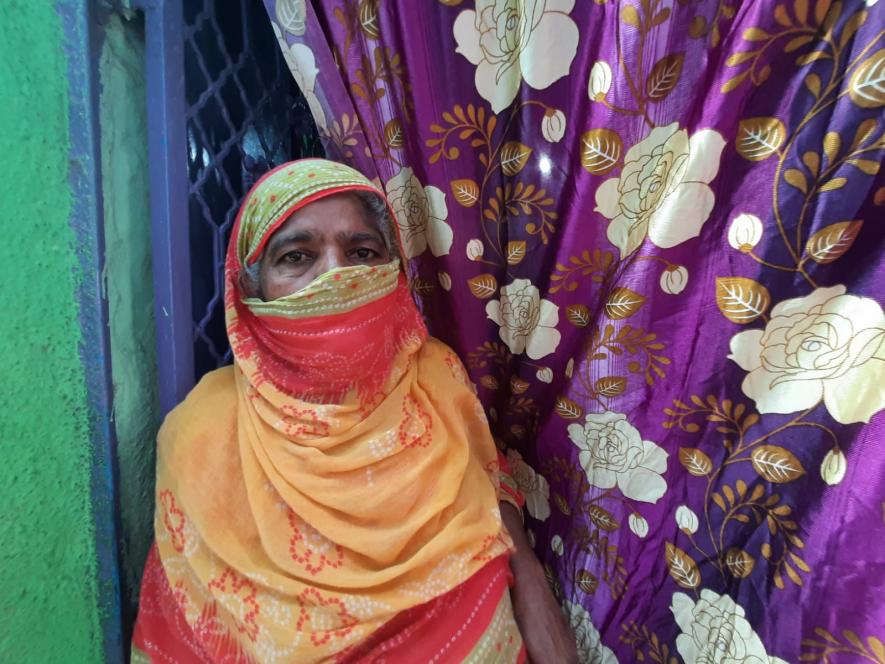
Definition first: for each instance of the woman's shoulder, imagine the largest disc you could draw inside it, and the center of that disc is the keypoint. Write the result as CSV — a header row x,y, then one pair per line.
x,y
434,346
210,404
435,350
437,355
215,389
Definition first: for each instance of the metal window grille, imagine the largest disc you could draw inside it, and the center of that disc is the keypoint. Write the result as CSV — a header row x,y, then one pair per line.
x,y
225,110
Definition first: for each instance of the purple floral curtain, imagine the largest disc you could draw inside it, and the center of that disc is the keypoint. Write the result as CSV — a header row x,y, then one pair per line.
x,y
653,229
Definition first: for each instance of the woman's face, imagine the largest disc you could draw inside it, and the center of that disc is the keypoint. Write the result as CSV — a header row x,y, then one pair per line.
x,y
329,233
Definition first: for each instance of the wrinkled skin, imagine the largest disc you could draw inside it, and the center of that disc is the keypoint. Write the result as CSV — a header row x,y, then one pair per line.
x,y
330,233
547,636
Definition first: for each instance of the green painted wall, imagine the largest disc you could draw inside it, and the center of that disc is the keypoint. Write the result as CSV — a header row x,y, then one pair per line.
x,y
48,588
129,289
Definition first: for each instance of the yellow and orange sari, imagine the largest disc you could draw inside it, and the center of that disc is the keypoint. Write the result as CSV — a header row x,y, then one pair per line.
x,y
333,495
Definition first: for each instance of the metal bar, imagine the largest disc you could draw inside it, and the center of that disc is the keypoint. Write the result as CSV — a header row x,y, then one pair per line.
x,y
233,141
82,45
167,155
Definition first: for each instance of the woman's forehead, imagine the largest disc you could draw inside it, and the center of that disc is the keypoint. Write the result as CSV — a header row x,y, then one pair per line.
x,y
289,187
329,217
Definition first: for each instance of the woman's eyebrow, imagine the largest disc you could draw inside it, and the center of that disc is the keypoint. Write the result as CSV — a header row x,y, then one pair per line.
x,y
359,236
289,238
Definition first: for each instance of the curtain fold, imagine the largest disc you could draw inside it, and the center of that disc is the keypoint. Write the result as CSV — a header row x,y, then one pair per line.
x,y
653,231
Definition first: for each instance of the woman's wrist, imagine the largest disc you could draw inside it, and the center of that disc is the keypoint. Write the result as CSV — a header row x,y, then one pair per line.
x,y
541,622
523,561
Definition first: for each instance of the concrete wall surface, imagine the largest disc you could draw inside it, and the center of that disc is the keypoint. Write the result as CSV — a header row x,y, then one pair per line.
x,y
127,272
49,584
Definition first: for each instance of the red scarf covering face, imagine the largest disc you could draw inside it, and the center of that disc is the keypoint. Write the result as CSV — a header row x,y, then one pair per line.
x,y
339,475
324,359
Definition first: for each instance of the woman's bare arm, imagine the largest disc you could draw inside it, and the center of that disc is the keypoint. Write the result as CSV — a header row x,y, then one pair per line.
x,y
541,622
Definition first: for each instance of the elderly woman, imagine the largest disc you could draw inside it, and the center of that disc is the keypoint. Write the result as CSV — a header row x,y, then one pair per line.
x,y
335,495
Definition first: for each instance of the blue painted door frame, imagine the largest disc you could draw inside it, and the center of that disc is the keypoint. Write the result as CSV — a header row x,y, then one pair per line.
x,y
81,23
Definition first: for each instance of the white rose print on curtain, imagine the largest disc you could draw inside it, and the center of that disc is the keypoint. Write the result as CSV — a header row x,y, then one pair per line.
x,y
663,191
292,16
826,345
614,454
514,40
532,484
302,64
421,214
553,125
590,647
528,323
715,629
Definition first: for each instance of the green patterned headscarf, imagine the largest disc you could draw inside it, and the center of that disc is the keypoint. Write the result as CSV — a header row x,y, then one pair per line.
x,y
286,189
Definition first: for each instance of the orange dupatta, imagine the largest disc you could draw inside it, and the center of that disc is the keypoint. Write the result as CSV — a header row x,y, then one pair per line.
x,y
340,473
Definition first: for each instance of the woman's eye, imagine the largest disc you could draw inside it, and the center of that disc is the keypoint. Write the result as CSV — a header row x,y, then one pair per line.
x,y
365,254
294,257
